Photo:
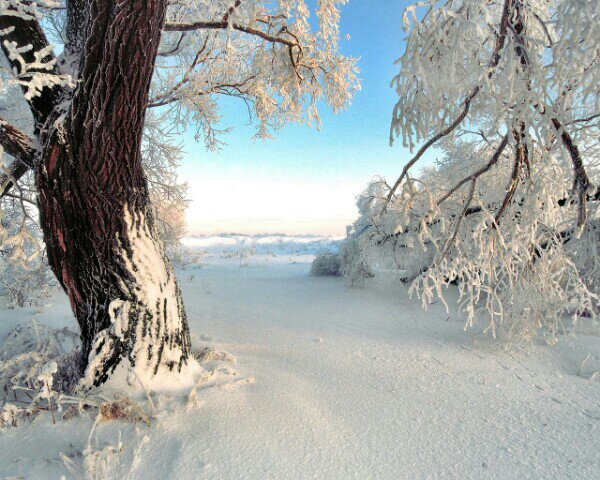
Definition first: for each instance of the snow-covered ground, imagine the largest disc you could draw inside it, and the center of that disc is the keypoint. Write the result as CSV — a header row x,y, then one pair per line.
x,y
257,249
334,383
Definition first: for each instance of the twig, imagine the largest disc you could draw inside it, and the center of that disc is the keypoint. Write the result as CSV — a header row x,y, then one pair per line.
x,y
520,159
478,173
460,219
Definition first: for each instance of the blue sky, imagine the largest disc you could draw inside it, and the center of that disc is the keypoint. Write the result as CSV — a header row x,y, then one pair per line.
x,y
306,181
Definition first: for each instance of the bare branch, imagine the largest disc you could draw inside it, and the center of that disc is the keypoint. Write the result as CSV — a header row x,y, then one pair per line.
x,y
460,219
545,28
584,120
429,143
169,97
231,9
11,175
175,49
520,159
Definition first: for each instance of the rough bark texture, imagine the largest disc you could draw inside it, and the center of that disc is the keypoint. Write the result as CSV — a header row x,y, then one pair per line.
x,y
75,35
22,148
98,224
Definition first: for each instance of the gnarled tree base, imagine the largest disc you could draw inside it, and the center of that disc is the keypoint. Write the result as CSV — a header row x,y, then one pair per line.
x,y
147,336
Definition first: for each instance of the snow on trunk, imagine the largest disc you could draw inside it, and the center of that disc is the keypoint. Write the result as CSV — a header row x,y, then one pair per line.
x,y
147,342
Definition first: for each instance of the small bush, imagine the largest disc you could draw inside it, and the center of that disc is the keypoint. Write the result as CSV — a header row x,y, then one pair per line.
x,y
39,370
326,264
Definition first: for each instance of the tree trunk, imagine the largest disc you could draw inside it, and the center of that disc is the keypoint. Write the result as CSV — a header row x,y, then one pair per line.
x,y
98,223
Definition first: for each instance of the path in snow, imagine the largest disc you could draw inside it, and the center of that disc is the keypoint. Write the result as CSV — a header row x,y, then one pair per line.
x,y
353,384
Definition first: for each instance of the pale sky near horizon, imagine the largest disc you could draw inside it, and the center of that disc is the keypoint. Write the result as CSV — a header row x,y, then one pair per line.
x,y
305,181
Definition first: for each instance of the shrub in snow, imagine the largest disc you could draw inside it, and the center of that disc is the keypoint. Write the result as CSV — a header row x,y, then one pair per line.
x,y
326,264
39,368
354,265
29,352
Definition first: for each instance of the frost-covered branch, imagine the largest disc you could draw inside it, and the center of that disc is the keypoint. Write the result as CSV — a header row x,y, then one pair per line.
x,y
466,104
511,99
186,27
581,181
474,176
74,32
30,55
267,54
433,140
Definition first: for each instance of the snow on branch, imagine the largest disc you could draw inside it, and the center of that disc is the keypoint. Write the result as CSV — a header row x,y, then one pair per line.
x,y
37,74
186,27
509,214
266,54
31,58
26,9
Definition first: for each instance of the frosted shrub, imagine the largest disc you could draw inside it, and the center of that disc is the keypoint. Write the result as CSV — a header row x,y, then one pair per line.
x,y
326,264
354,265
509,214
39,370
28,352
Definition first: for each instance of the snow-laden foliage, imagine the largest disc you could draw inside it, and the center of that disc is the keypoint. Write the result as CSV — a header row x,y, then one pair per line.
x,y
162,154
25,286
25,278
270,55
509,92
34,76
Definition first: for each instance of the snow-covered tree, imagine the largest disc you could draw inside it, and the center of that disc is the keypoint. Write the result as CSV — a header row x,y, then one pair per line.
x,y
509,92
123,65
23,265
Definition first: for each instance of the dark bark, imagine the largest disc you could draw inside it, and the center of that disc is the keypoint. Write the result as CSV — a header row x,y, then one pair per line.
x,y
581,181
22,148
96,216
75,33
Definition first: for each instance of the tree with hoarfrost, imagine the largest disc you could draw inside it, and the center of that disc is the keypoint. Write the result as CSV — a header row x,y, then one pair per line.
x,y
508,91
131,74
